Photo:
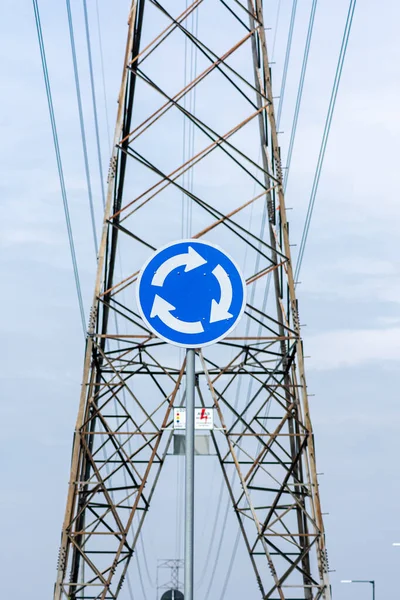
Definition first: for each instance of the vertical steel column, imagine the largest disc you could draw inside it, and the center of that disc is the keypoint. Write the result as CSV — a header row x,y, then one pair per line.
x,y
189,474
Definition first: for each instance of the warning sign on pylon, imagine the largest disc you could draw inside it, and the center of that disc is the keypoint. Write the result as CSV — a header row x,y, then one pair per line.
x,y
179,418
203,418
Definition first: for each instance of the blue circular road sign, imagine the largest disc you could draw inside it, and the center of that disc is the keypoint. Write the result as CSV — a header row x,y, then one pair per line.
x,y
190,293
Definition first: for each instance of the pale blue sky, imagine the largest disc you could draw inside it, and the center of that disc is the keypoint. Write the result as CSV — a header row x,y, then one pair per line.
x,y
349,295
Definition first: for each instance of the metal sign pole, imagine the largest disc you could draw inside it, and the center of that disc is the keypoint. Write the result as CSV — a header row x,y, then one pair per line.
x,y
210,322
189,472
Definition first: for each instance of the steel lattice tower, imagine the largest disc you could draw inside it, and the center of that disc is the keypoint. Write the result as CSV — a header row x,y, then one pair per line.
x,y
131,380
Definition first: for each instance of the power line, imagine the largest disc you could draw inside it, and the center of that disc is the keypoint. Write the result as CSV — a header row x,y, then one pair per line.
x,y
252,295
103,73
286,63
221,539
59,161
222,487
140,576
278,14
188,142
216,519
251,300
81,123
297,110
231,563
192,108
62,182
300,90
93,90
99,157
146,566
328,122
228,503
267,285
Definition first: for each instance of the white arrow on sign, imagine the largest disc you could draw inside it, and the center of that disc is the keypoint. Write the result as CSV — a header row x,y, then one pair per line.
x,y
191,260
220,310
162,309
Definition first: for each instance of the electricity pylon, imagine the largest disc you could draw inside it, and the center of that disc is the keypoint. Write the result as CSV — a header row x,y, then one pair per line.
x,y
254,378
173,581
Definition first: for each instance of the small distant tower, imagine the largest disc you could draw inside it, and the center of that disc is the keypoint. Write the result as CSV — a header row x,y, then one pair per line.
x,y
169,588
172,595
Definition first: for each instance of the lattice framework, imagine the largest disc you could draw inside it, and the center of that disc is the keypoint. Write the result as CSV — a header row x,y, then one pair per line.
x,y
132,380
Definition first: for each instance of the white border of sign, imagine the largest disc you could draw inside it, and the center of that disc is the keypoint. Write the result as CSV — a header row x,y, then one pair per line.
x,y
221,337
204,427
198,424
182,425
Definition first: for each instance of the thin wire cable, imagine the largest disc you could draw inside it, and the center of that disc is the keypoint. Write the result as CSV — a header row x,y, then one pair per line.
x,y
300,91
146,566
184,197
218,554
201,579
236,402
93,90
88,40
231,563
81,123
62,181
184,234
298,102
317,174
99,156
286,63
192,128
278,14
188,138
257,261
107,467
210,546
266,414
103,74
325,136
130,588
59,162
140,576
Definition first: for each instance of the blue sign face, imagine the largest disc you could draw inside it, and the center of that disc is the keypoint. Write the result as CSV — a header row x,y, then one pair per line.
x,y
191,293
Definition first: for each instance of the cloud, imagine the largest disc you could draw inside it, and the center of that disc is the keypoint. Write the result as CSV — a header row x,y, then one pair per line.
x,y
356,278
349,348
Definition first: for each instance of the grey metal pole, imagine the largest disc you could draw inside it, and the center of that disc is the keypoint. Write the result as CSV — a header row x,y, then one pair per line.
x,y
373,590
189,474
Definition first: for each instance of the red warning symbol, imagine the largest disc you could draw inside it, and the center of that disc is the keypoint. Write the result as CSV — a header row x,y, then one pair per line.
x,y
203,415
204,418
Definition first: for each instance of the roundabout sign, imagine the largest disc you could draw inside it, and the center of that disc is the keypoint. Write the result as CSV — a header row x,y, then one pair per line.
x,y
190,293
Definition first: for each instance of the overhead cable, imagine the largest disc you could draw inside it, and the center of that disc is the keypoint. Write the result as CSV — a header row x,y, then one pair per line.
x,y
140,577
103,74
278,14
202,579
93,90
81,123
284,77
300,91
325,137
234,474
286,63
59,162
230,566
99,157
